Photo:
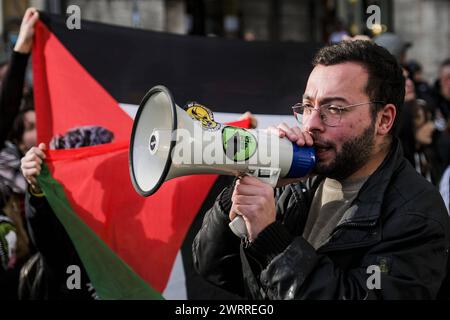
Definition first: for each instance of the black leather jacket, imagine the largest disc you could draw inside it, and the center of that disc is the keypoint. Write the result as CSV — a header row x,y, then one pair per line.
x,y
398,222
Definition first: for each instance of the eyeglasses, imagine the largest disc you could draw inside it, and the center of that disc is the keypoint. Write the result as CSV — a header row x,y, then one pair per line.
x,y
330,114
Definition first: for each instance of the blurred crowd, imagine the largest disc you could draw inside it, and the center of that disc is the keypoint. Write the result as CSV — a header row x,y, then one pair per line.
x,y
424,120
34,248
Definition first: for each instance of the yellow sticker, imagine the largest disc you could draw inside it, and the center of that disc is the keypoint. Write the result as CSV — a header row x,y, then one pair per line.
x,y
204,115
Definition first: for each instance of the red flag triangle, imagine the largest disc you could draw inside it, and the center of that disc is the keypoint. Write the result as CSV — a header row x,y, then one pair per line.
x,y
67,96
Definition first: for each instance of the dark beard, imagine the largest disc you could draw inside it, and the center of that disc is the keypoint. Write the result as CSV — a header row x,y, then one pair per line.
x,y
354,154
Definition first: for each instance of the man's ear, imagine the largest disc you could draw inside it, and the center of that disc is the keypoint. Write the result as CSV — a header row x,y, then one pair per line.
x,y
385,119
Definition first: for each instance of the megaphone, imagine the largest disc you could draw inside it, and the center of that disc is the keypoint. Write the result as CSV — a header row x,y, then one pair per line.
x,y
168,142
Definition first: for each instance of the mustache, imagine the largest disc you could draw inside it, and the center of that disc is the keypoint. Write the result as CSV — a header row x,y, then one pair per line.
x,y
322,143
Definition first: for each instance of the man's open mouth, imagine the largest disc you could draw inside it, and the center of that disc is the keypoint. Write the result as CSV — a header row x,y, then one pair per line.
x,y
321,147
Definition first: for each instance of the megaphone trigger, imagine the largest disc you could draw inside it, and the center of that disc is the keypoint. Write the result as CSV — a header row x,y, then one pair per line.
x,y
266,174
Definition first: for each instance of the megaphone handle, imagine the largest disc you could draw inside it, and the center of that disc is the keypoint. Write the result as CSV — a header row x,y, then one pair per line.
x,y
238,224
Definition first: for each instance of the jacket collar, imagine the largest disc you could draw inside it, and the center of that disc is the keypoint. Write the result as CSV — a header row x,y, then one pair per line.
x,y
367,205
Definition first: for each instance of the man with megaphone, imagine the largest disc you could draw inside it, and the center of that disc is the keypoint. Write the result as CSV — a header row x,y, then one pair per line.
x,y
364,225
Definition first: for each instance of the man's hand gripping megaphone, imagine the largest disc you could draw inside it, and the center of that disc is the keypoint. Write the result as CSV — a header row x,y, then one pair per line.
x,y
253,199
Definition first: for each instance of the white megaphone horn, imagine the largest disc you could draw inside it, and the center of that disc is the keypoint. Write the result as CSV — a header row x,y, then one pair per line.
x,y
168,142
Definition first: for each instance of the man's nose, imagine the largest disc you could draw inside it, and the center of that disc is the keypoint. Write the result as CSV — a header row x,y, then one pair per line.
x,y
314,122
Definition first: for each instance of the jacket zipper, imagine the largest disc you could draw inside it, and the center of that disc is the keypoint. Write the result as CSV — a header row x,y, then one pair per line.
x,y
351,225
357,224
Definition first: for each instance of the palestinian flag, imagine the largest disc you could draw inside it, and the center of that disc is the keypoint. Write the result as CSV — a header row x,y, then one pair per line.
x,y
134,247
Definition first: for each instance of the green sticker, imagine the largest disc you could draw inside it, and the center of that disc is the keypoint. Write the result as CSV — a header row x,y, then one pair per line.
x,y
238,144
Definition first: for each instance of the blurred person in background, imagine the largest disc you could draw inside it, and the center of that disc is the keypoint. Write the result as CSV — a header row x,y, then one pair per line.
x,y
4,61
442,91
444,188
416,134
443,145
441,95
17,135
340,33
395,45
13,83
410,92
421,86
444,152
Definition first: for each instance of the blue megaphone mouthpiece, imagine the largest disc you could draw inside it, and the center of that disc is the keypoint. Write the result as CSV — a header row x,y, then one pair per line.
x,y
303,161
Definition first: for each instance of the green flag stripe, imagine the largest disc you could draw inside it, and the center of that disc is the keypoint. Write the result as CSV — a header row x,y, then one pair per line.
x,y
111,277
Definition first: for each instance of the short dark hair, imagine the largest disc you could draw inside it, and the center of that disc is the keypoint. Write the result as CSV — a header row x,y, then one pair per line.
x,y
385,82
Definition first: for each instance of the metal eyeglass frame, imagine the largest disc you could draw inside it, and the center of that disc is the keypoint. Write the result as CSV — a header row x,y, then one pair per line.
x,y
320,108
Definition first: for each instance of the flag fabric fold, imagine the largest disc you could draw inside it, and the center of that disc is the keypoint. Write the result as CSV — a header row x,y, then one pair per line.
x,y
112,278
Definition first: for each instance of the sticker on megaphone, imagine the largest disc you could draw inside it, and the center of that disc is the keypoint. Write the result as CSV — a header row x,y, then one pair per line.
x,y
238,144
201,113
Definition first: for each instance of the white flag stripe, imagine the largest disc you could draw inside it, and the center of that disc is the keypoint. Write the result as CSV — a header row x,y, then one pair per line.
x,y
176,286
